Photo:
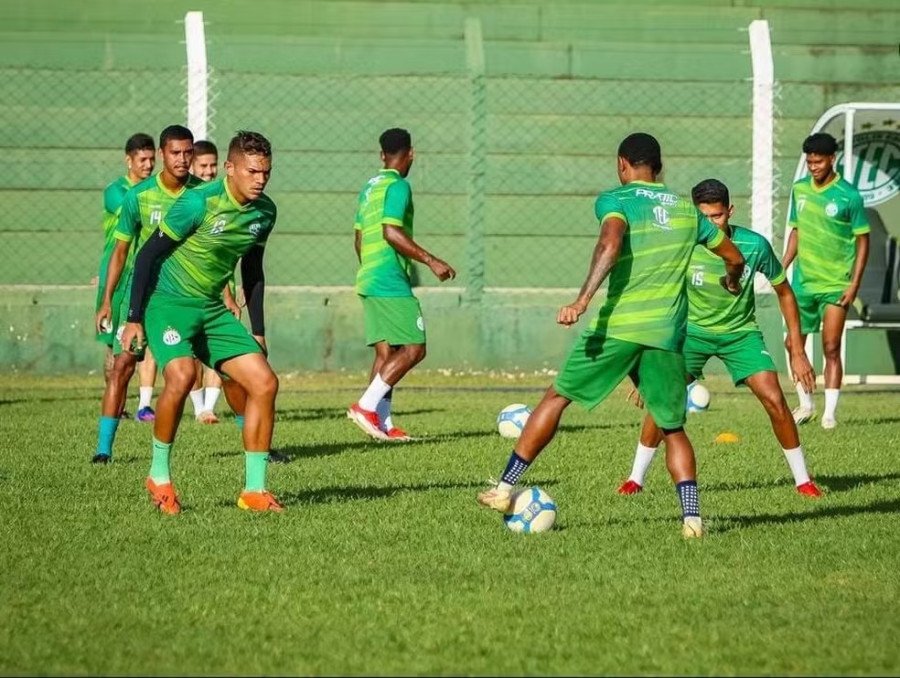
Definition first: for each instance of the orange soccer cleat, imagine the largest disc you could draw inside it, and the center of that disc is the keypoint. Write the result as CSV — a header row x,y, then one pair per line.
x,y
163,497
259,501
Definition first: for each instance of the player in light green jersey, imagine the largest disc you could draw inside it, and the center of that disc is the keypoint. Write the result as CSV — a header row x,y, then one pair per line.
x,y
647,234
385,247
724,326
143,209
140,153
199,242
829,246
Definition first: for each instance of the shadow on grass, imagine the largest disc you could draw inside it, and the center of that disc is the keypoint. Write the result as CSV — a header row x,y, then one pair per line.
x,y
832,483
315,413
871,422
731,523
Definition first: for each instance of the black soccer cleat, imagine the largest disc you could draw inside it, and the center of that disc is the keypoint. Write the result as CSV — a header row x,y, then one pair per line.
x,y
101,459
278,457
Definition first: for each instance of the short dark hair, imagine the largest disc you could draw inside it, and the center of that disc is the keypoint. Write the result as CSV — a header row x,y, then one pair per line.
x,y
139,142
820,143
249,143
710,191
395,140
205,148
641,148
175,133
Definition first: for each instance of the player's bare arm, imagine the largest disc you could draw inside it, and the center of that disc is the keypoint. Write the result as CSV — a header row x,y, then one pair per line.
x,y
408,247
357,245
801,369
790,252
734,265
113,274
859,267
606,254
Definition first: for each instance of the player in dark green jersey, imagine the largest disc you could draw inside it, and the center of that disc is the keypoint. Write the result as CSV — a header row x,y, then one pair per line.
x,y
724,326
201,239
829,246
140,155
385,247
647,234
143,209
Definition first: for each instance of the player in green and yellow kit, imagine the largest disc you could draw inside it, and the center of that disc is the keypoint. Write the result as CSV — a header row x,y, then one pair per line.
x,y
140,153
647,234
142,211
829,246
199,243
393,317
724,326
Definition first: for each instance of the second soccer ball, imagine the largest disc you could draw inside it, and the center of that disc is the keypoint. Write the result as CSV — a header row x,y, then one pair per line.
x,y
697,397
511,420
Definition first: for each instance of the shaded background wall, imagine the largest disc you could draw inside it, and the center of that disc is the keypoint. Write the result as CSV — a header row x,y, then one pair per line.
x,y
508,163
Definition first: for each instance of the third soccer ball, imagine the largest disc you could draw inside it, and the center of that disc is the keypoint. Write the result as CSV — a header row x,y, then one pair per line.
x,y
511,420
697,397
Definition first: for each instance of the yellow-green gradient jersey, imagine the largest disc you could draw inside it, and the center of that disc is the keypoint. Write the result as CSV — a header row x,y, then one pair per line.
x,y
827,218
711,308
143,210
646,301
215,232
383,271
113,196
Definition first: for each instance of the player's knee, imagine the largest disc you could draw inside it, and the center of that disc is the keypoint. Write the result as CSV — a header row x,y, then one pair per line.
x,y
775,405
415,352
831,348
122,369
266,385
180,378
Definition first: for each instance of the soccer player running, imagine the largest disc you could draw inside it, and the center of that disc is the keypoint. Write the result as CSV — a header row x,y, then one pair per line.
x,y
724,326
830,242
140,156
143,209
199,244
647,234
393,317
206,168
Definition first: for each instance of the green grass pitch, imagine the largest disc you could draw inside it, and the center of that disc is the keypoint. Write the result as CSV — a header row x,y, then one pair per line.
x,y
384,564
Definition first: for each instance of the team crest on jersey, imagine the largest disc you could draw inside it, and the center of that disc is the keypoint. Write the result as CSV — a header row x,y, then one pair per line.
x,y
661,218
255,228
156,215
171,336
218,227
420,323
831,209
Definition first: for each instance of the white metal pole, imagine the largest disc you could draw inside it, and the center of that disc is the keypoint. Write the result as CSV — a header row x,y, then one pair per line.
x,y
763,171
849,117
197,74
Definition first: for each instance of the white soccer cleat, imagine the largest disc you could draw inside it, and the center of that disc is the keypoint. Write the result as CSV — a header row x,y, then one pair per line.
x,y
803,415
828,423
692,528
496,499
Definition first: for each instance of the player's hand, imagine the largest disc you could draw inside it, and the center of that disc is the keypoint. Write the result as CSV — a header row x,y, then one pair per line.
x,y
634,397
441,269
569,315
103,320
233,308
801,369
133,339
732,285
848,297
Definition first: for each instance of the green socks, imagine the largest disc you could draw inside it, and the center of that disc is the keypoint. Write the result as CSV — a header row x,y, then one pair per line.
x,y
159,467
255,471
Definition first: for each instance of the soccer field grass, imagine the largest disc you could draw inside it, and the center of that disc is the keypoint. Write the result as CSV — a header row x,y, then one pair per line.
x,y
384,564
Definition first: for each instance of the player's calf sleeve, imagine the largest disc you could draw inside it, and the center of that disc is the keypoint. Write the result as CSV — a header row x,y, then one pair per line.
x,y
689,498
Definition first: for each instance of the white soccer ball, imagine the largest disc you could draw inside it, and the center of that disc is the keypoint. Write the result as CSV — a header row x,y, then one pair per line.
x,y
511,420
532,510
697,397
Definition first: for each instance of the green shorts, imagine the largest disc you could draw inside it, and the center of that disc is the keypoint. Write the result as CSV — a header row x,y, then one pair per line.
x,y
597,364
812,308
120,302
109,338
744,354
396,320
177,327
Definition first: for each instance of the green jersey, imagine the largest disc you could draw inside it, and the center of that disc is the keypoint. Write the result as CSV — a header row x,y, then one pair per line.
x,y
143,210
215,232
113,195
383,271
828,219
646,302
714,310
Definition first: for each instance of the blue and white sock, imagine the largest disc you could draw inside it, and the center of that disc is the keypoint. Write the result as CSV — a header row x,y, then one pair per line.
x,y
689,497
514,470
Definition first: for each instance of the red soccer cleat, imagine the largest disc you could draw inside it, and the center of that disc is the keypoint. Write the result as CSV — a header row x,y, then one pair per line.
x,y
398,435
367,420
259,501
630,487
163,497
810,489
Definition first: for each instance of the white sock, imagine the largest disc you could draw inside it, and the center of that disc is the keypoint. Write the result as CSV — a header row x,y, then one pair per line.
x,y
376,391
642,458
210,398
831,398
805,398
197,400
798,465
383,410
146,395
